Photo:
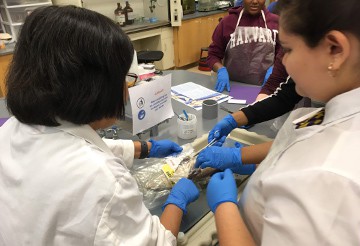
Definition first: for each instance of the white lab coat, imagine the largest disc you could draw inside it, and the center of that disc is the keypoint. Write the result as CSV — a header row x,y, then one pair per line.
x,y
307,190
64,186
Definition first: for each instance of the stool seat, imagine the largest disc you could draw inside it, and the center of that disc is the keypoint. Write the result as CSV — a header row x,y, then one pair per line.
x,y
149,56
203,66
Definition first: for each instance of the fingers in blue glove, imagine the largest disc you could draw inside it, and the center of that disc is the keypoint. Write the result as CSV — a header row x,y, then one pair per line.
x,y
221,188
222,80
211,135
183,193
219,158
163,148
238,145
222,128
176,148
221,86
218,86
223,158
220,141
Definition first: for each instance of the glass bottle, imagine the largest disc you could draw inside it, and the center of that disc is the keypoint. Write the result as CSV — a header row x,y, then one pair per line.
x,y
129,14
119,15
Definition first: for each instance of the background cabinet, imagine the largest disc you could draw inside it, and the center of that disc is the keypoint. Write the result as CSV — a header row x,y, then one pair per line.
x,y
156,39
4,63
191,36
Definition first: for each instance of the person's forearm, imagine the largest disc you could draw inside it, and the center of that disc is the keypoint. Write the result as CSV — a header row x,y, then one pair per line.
x,y
217,66
230,227
171,218
279,103
254,154
261,96
137,148
240,118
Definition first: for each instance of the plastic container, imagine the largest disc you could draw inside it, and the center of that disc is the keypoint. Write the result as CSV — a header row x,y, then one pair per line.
x,y
17,15
23,2
187,129
14,31
14,13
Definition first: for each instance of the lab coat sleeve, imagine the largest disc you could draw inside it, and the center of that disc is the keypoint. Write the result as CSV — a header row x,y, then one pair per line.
x,y
326,213
123,149
126,221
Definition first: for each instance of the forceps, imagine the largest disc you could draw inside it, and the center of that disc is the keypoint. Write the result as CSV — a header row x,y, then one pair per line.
x,y
212,142
195,171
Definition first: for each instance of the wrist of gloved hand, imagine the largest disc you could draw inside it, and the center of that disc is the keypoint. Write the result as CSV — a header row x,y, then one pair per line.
x,y
183,193
221,188
162,148
231,122
243,169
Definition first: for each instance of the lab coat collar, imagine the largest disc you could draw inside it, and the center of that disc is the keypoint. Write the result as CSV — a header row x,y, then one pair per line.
x,y
85,132
342,106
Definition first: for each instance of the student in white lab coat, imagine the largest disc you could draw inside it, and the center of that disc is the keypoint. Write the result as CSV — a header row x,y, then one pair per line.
x,y
307,190
60,184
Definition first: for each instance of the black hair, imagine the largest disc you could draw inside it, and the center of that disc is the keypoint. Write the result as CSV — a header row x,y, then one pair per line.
x,y
312,19
69,63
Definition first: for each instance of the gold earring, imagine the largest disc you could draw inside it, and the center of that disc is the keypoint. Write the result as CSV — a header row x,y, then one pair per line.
x,y
331,71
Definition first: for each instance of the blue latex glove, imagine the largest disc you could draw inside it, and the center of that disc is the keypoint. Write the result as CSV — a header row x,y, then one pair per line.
x,y
219,142
267,75
246,127
222,80
183,193
163,148
223,158
221,188
222,128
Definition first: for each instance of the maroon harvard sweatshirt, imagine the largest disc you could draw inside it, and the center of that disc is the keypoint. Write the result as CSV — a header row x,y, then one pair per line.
x,y
221,37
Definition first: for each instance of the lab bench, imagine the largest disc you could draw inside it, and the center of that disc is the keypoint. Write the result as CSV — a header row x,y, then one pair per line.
x,y
198,217
198,224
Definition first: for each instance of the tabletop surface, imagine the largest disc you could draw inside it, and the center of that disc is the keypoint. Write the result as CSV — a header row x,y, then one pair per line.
x,y
167,130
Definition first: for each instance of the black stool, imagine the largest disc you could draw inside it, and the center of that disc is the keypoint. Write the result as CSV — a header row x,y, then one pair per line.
x,y
149,56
